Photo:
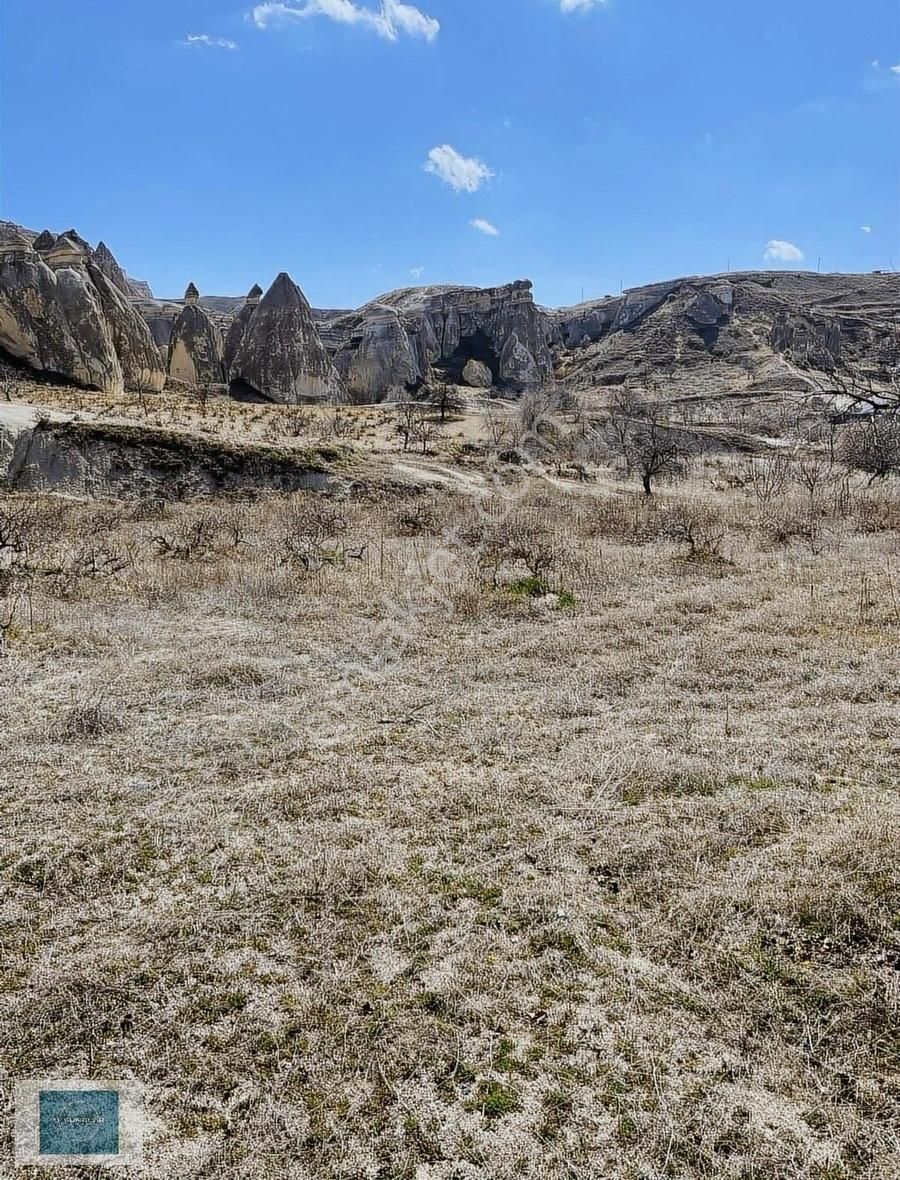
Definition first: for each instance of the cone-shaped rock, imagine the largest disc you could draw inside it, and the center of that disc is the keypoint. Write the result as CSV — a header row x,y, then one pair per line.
x,y
105,260
238,326
195,348
281,354
191,294
44,241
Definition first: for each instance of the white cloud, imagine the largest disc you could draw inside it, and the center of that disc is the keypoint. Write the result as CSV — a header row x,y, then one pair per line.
x,y
388,21
783,251
867,229
201,40
580,5
462,173
895,69
485,227
417,271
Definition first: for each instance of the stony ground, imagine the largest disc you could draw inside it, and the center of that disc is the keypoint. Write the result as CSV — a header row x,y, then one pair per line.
x,y
371,854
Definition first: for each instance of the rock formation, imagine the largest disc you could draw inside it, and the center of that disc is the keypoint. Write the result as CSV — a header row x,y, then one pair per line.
x,y
477,375
400,338
379,361
105,260
60,315
281,356
808,341
195,345
239,325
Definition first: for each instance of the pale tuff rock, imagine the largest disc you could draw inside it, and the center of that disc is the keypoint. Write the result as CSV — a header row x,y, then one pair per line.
x,y
806,340
380,361
141,362
518,368
195,345
280,355
59,314
477,375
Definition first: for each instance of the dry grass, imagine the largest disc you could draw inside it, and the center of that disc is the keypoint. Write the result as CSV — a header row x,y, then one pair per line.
x,y
405,863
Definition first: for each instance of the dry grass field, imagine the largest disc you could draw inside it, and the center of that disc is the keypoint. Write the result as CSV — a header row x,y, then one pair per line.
x,y
541,831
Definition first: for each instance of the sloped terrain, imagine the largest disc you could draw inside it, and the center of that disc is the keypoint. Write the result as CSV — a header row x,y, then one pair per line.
x,y
751,333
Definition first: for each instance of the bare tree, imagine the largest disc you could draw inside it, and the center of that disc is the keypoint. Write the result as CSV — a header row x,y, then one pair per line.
x,y
409,415
446,400
626,407
659,452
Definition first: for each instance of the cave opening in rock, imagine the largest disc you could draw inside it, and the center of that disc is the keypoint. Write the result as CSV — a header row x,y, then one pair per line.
x,y
243,391
476,347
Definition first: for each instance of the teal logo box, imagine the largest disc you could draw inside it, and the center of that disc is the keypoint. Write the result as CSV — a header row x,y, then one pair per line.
x,y
78,1122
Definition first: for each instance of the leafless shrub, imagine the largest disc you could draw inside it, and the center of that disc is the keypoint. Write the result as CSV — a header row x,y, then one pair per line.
x,y
420,516
339,423
294,421
877,513
872,446
768,478
315,535
192,540
698,526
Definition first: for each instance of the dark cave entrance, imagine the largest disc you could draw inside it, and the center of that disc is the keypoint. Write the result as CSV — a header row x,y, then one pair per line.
x,y
475,347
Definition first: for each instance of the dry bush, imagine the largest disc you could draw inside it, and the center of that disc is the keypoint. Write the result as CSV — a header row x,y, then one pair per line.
x,y
315,533
877,512
872,446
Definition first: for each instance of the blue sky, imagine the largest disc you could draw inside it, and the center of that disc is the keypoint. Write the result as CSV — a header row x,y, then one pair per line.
x,y
364,145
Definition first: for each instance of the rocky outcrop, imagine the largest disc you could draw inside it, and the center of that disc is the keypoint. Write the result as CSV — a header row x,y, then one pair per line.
x,y
104,260
60,315
138,355
238,326
281,356
379,360
195,346
808,341
400,338
52,452
518,368
477,375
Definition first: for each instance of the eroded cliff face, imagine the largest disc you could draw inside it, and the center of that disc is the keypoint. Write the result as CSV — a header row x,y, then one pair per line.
x,y
53,321
406,336
71,320
280,355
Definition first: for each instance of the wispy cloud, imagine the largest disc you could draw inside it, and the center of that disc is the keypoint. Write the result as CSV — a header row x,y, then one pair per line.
x,y
485,227
204,41
895,69
779,251
464,174
417,271
580,5
866,229
389,21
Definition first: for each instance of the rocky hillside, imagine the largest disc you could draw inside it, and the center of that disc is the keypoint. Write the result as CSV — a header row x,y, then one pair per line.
x,y
743,332
69,310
